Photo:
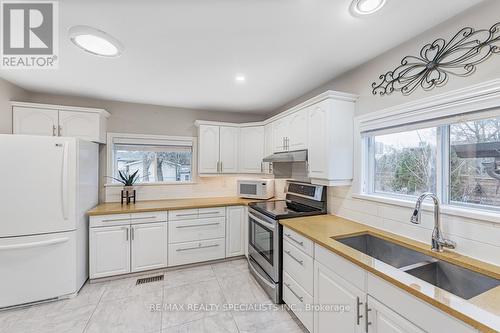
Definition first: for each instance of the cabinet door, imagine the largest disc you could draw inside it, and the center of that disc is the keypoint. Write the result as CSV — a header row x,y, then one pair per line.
x,y
297,130
34,121
268,148
251,150
330,289
280,131
149,246
229,138
318,141
208,154
109,251
83,125
384,320
235,231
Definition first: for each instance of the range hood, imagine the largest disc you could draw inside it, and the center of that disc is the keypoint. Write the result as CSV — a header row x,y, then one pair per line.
x,y
288,156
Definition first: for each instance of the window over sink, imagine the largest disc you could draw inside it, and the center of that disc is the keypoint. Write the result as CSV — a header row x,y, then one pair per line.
x,y
157,159
457,158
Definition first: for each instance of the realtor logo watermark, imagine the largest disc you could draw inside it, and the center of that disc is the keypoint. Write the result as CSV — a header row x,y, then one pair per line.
x,y
29,34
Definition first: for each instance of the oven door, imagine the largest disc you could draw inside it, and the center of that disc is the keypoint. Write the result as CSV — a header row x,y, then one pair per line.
x,y
263,243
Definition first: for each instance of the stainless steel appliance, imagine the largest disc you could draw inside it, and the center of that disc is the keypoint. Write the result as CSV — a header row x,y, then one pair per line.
x,y
265,232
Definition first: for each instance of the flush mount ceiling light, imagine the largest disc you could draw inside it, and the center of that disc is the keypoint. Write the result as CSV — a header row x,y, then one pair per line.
x,y
95,41
240,78
366,7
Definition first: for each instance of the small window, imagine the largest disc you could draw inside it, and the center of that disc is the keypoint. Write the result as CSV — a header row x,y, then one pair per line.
x,y
156,160
403,163
475,162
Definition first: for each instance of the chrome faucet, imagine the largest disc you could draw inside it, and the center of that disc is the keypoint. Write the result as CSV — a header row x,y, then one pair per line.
x,y
438,241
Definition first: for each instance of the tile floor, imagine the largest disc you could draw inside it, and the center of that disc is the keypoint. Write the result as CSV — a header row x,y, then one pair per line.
x,y
160,307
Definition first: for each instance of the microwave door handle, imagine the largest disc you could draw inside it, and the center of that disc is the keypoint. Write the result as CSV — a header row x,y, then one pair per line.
x,y
260,221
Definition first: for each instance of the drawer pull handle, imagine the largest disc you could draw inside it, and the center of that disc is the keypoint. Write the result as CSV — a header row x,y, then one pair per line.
x,y
197,247
293,239
301,262
301,298
187,214
113,220
195,225
144,218
209,213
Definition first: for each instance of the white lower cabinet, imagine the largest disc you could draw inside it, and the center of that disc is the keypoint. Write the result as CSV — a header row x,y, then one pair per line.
x,y
236,231
299,301
384,320
344,303
109,251
148,246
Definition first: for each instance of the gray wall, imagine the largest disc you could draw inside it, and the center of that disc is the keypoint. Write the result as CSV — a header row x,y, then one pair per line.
x,y
9,92
358,80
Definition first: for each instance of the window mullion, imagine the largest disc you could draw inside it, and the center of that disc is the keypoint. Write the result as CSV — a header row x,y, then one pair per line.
x,y
444,163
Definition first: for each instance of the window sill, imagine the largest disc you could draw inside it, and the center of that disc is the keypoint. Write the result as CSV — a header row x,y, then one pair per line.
x,y
475,214
152,184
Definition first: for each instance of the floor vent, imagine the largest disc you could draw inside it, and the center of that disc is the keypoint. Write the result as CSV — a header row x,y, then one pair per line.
x,y
149,279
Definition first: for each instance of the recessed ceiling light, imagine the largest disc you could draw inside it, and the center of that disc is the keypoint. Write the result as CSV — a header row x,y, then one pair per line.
x,y
366,7
240,78
95,41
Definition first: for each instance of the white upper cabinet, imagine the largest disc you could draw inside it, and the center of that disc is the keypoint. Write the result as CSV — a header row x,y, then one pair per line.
x,y
251,150
35,121
208,161
53,120
218,149
229,138
280,132
297,130
330,152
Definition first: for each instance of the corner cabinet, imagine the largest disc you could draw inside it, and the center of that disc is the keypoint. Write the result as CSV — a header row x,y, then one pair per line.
x,y
55,120
251,150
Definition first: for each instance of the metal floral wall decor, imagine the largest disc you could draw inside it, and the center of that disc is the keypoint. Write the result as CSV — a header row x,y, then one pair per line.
x,y
439,59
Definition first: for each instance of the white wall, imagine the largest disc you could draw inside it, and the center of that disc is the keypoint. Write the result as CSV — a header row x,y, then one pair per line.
x,y
475,238
8,92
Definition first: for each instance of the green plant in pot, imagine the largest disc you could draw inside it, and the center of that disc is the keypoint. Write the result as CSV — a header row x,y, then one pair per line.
x,y
128,180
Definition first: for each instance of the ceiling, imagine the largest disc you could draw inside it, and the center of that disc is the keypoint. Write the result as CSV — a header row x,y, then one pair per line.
x,y
186,53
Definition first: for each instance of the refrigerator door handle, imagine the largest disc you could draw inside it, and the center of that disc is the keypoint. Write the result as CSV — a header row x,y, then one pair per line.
x,y
34,244
64,182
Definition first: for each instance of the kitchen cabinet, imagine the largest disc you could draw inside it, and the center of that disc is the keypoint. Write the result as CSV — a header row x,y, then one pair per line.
x,y
251,150
148,246
236,233
330,152
208,155
381,319
280,134
53,120
109,251
218,149
290,132
35,121
267,167
331,289
229,138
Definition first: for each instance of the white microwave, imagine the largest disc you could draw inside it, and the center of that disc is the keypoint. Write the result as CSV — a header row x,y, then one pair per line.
x,y
256,188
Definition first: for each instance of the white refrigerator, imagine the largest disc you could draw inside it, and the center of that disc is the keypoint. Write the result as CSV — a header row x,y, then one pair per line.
x,y
47,184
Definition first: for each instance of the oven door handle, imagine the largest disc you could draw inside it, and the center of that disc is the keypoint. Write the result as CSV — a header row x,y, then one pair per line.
x,y
263,279
261,222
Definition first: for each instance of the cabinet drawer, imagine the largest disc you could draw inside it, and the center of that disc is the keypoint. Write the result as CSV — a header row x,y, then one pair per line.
x,y
109,220
191,252
301,242
212,212
297,298
197,229
352,273
184,214
148,217
298,265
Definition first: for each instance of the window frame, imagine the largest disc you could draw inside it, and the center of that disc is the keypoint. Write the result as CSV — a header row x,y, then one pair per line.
x,y
367,190
144,138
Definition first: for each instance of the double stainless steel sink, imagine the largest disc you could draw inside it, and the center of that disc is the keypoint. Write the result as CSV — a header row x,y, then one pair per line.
x,y
457,280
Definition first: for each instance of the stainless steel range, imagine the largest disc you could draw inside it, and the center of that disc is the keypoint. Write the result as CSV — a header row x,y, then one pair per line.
x,y
265,232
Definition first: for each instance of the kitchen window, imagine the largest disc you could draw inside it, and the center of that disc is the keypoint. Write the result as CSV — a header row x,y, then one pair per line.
x,y
457,158
157,159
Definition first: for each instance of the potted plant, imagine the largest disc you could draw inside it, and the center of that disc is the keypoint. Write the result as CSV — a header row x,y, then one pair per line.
x,y
128,181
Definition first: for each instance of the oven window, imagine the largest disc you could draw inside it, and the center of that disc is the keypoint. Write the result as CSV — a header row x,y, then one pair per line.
x,y
261,238
248,189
